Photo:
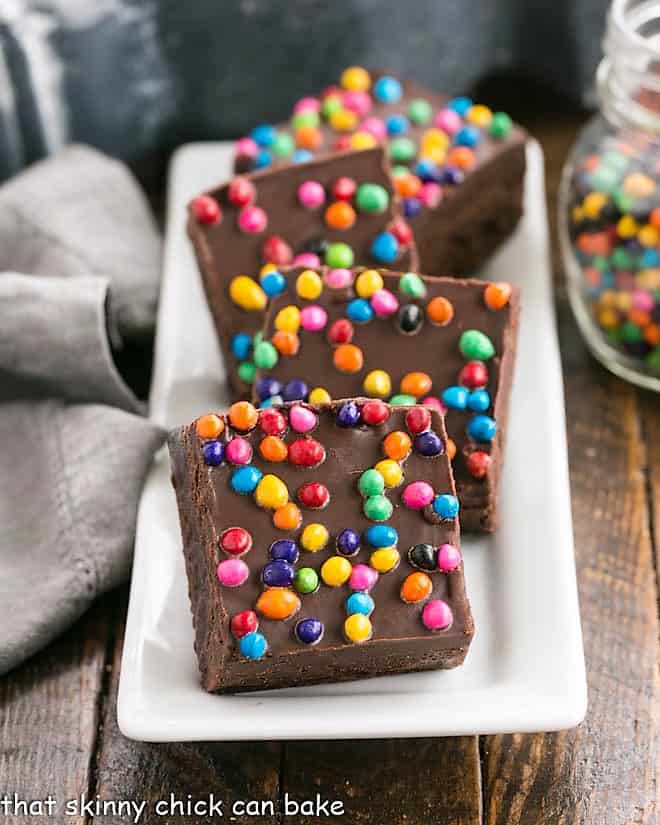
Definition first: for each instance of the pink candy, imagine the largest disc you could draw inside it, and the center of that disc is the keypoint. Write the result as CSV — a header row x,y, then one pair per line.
x,y
417,495
252,219
434,403
302,419
246,147
375,127
307,104
362,577
307,259
643,300
448,120
358,102
232,572
338,278
430,194
384,303
437,615
311,194
449,558
313,318
238,451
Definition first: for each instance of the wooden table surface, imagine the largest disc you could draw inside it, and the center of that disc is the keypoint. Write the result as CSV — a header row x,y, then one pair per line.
x,y
58,728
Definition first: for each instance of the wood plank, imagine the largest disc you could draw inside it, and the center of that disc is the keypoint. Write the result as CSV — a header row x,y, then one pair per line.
x,y
603,773
49,712
650,406
388,782
146,772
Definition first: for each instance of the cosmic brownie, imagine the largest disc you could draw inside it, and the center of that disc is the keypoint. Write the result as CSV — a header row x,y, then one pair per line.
x,y
447,342
340,211
458,167
321,543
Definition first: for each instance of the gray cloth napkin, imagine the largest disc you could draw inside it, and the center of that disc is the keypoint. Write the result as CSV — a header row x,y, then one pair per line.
x,y
79,258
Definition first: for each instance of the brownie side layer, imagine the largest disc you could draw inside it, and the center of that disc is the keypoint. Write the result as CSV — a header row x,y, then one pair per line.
x,y
400,643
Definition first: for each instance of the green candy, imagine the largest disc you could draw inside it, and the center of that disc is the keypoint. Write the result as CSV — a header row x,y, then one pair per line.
x,y
631,332
476,346
399,171
257,338
624,203
411,284
420,111
371,483
339,256
377,508
265,355
605,179
653,360
305,119
601,262
615,160
330,105
306,580
246,371
500,125
372,197
284,145
621,259
402,149
402,400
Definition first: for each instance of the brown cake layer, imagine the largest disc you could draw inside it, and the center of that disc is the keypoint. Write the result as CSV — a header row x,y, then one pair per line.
x,y
208,505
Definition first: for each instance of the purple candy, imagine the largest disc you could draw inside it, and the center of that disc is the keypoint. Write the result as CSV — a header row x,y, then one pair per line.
x,y
411,207
450,175
348,542
267,387
309,631
348,414
214,452
295,390
284,550
278,574
429,444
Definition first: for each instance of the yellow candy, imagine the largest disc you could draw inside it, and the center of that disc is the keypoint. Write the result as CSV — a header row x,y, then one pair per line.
x,y
266,268
336,571
355,79
343,120
314,537
638,185
391,471
623,301
434,139
479,115
627,227
648,278
363,140
648,235
247,294
593,204
577,213
288,319
357,628
377,384
608,318
278,603
368,282
607,298
435,154
319,396
309,285
271,492
385,559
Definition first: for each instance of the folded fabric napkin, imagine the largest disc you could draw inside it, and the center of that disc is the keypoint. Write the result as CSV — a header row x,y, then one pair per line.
x,y
79,268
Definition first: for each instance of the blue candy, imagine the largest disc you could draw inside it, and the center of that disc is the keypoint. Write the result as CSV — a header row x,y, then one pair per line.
x,y
309,631
273,283
467,136
482,428
245,479
241,343
478,401
284,550
360,603
301,156
253,645
264,134
214,452
385,248
426,170
359,310
460,105
387,89
263,159
446,506
348,414
456,398
396,125
381,535
278,573
295,390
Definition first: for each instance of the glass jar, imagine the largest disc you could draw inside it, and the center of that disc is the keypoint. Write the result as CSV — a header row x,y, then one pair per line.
x,y
609,204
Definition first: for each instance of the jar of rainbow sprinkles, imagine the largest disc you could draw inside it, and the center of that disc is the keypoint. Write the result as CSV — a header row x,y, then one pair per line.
x,y
609,204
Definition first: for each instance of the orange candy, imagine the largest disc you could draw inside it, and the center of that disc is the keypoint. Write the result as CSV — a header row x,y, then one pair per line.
x,y
272,448
286,342
595,243
348,358
408,186
416,587
340,215
278,603
416,383
461,156
639,318
397,445
209,426
654,218
652,334
440,310
496,296
308,137
242,415
450,449
287,517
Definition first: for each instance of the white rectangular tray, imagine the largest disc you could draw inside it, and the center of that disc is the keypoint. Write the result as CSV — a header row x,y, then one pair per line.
x,y
525,669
